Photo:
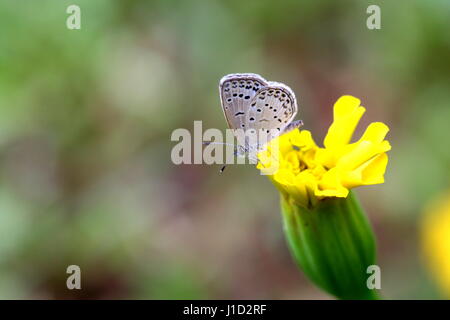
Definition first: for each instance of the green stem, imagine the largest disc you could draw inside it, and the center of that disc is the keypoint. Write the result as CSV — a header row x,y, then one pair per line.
x,y
333,243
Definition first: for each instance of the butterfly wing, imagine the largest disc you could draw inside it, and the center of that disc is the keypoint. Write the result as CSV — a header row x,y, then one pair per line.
x,y
236,92
272,109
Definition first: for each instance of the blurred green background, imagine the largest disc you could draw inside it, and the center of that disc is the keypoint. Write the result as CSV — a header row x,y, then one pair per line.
x,y
85,123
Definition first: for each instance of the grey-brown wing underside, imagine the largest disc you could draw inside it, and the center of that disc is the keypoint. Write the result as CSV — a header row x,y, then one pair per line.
x,y
236,92
272,109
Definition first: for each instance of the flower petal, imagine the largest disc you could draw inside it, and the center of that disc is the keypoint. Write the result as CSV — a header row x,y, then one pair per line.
x,y
373,172
363,152
347,114
375,132
330,185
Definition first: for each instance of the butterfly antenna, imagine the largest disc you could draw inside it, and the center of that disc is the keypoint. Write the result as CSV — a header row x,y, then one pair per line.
x,y
219,143
297,124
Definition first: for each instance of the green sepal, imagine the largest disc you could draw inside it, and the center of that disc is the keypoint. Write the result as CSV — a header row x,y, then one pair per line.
x,y
333,243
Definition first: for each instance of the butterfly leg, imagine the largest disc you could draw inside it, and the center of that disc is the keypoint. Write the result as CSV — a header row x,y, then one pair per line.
x,y
207,143
239,151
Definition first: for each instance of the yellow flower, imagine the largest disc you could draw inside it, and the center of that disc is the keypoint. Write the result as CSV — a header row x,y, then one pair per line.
x,y
435,232
307,173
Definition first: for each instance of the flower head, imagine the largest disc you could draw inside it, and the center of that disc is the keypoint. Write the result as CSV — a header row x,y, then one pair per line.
x,y
307,173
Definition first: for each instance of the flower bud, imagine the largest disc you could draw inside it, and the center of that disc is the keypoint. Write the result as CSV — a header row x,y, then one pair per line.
x,y
333,243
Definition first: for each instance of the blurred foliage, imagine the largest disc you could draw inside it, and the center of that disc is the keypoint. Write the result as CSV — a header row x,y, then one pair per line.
x,y
85,123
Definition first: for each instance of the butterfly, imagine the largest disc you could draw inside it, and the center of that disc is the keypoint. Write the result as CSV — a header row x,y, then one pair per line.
x,y
250,102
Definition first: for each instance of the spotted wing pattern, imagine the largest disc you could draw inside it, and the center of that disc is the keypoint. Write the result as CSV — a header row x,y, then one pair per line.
x,y
236,92
272,109
251,102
